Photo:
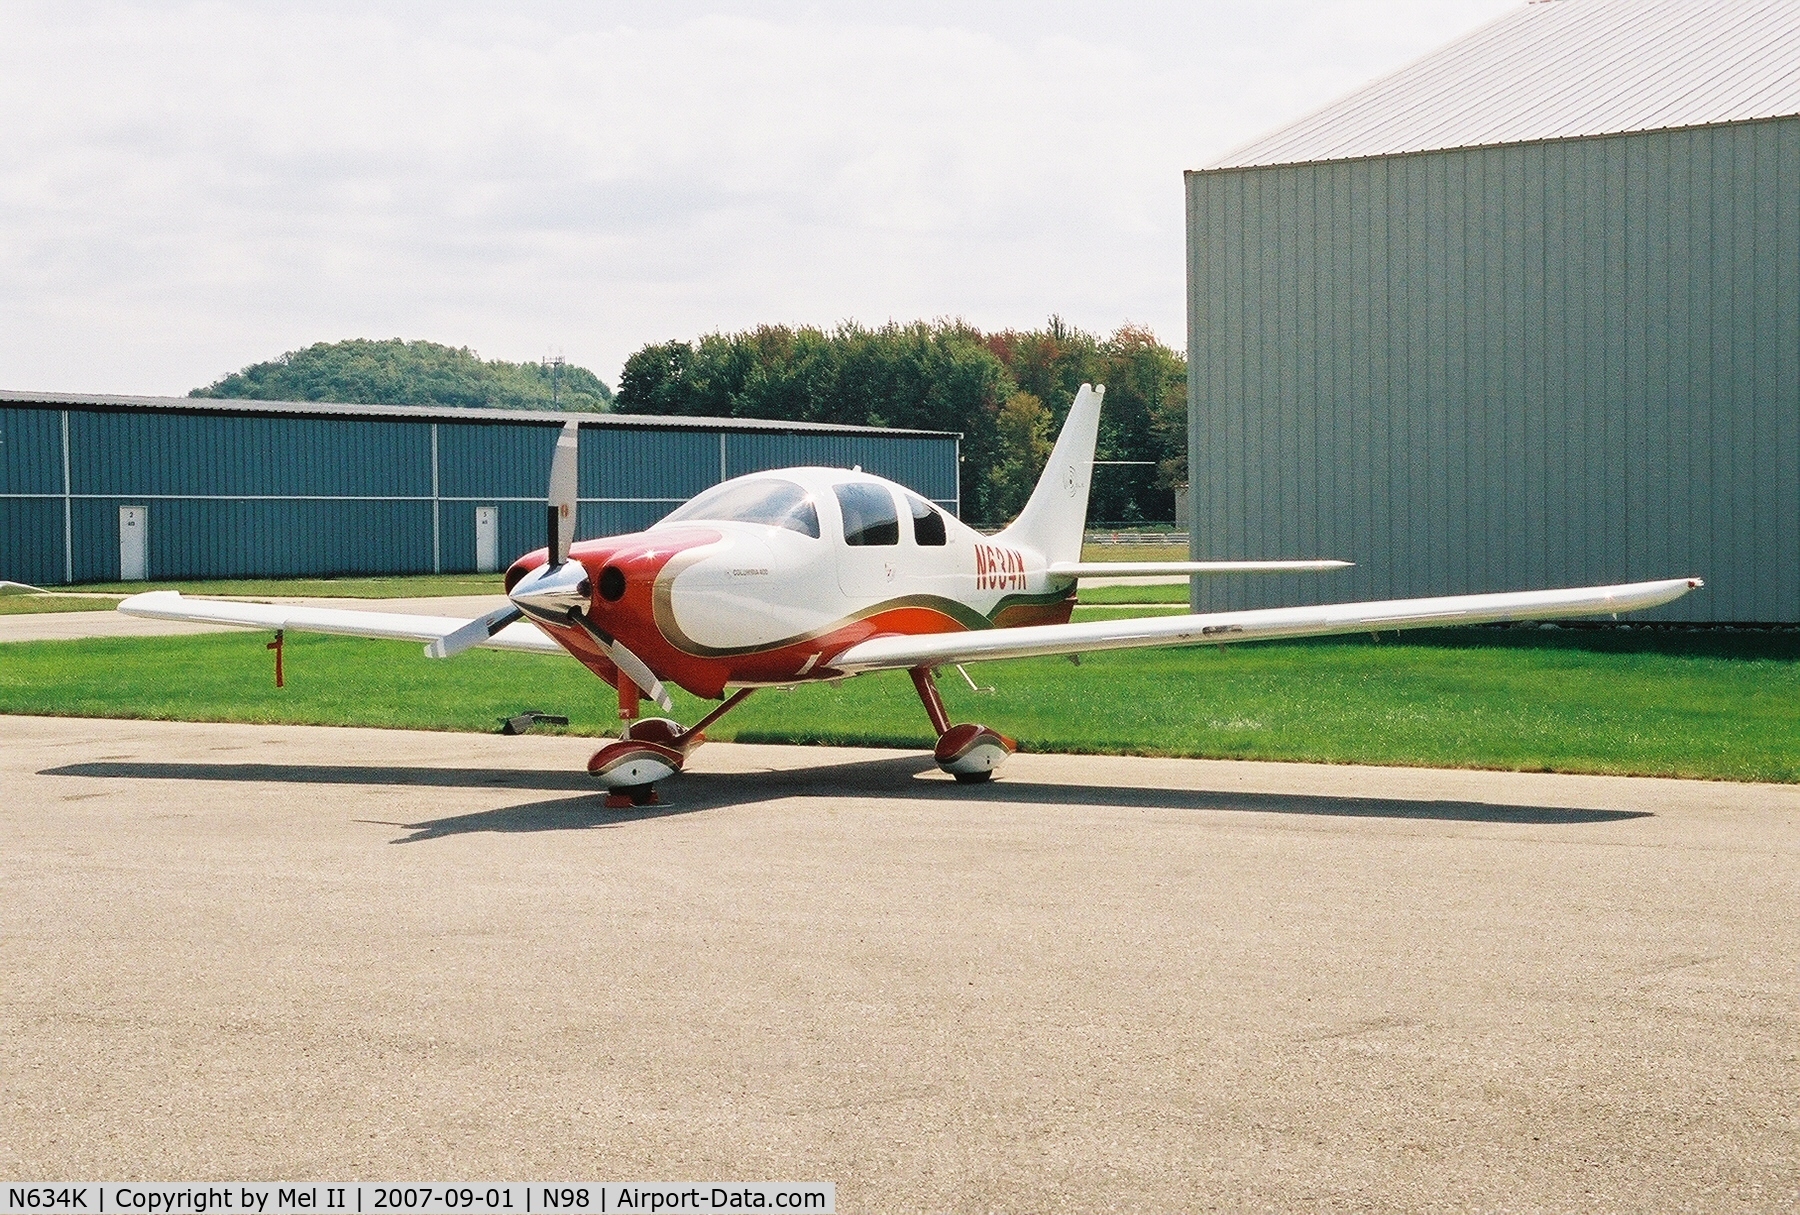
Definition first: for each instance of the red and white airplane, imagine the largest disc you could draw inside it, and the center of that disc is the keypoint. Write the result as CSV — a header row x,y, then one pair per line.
x,y
804,574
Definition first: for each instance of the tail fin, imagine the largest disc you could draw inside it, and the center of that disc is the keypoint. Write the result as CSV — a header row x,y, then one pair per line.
x,y
1055,518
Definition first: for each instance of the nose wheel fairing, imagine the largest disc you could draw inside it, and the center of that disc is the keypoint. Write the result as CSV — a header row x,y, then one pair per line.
x,y
631,767
650,749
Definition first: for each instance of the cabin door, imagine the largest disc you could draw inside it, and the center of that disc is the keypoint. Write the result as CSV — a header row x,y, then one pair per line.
x,y
868,562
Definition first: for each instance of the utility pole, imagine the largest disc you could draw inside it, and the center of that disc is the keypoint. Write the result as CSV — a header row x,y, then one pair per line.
x,y
553,363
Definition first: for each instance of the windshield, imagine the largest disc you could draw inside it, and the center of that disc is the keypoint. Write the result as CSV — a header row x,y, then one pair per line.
x,y
765,500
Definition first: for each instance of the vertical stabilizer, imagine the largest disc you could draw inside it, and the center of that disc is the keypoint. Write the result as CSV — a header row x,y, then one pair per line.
x,y
1055,518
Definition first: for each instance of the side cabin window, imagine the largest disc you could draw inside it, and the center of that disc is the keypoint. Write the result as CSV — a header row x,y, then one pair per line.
x,y
928,524
766,500
869,515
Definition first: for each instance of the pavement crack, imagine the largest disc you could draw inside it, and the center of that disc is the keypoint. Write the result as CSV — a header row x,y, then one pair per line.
x,y
1373,1025
1678,962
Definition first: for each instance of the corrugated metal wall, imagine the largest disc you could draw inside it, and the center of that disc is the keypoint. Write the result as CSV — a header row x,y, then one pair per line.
x,y
231,495
1515,367
31,506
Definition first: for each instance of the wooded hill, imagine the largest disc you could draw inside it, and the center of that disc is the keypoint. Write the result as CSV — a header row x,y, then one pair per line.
x,y
397,372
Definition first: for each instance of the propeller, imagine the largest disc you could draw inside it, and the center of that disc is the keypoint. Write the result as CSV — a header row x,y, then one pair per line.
x,y
542,587
563,472
473,633
553,591
635,668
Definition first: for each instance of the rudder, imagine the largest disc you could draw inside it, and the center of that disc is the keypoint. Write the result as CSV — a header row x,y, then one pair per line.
x,y
1055,518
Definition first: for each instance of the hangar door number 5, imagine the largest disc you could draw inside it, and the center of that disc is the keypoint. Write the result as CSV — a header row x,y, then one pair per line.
x,y
487,539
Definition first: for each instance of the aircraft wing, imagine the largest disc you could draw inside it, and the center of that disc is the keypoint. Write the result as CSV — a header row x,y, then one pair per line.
x,y
346,622
1147,569
1213,628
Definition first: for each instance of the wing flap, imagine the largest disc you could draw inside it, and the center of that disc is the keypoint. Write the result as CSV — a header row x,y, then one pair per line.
x,y
1211,628
344,622
1149,569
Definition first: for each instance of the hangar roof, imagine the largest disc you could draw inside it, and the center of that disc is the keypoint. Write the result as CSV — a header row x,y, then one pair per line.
x,y
1560,69
443,413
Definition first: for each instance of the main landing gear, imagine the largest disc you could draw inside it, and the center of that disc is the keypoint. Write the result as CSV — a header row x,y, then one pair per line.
x,y
968,752
650,749
653,748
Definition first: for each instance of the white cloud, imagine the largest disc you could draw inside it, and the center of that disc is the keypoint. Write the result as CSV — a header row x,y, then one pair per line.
x,y
188,188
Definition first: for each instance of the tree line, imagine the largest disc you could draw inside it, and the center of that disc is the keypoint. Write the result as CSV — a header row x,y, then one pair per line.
x,y
1007,392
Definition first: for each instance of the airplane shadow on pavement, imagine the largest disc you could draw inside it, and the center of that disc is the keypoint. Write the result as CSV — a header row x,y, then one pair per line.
x,y
897,778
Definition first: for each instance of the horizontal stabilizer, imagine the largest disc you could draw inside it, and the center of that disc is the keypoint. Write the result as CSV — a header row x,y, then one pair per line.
x,y
343,622
1215,628
1151,569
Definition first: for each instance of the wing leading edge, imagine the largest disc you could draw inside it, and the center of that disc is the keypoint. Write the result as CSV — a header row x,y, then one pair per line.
x,y
344,622
1212,628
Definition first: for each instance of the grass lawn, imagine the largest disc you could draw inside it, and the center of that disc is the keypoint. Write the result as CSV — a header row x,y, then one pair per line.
x,y
1134,552
397,586
27,604
1646,702
1106,592
106,595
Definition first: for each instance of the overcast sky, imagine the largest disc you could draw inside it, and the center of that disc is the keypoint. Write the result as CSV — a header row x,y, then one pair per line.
x,y
188,188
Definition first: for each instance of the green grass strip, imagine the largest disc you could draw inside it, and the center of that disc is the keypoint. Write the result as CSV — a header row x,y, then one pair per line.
x,y
1111,592
349,586
1644,702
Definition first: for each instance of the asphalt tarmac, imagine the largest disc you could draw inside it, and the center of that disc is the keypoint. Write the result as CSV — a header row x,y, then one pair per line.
x,y
1127,984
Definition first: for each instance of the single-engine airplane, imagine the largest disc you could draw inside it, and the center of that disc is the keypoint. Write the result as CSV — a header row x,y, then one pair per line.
x,y
805,574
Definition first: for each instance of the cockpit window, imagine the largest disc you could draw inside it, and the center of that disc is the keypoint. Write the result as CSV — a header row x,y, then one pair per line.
x,y
869,515
928,525
766,500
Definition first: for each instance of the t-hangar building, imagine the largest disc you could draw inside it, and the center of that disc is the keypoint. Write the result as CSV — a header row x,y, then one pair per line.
x,y
1524,314
98,488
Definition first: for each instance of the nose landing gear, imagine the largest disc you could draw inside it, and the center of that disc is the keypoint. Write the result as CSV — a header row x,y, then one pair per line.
x,y
969,752
649,750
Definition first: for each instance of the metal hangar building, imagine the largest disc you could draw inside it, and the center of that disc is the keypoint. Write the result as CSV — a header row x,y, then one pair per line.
x,y
98,488
1524,314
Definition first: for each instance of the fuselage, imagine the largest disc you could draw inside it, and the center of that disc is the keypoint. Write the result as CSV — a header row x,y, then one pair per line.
x,y
763,579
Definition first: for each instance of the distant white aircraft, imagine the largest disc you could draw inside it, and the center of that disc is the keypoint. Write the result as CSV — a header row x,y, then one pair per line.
x,y
807,574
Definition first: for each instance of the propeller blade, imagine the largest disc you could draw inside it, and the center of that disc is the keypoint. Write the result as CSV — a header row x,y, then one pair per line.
x,y
641,675
634,668
473,633
563,485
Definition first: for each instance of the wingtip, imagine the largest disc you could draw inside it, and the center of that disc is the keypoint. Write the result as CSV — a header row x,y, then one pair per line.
x,y
146,597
